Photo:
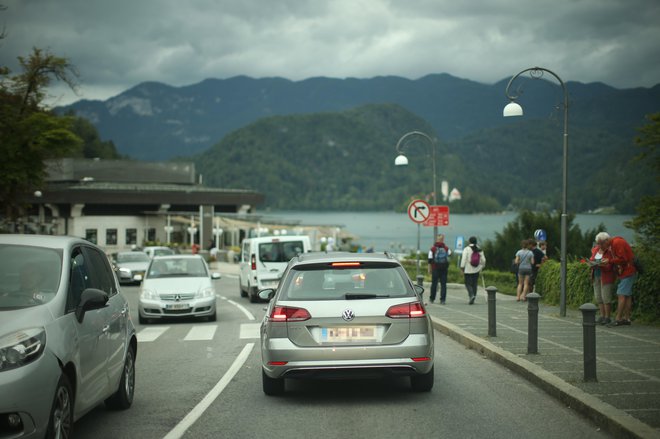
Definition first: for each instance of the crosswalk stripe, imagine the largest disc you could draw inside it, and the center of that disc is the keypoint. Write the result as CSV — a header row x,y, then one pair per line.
x,y
151,333
205,332
250,330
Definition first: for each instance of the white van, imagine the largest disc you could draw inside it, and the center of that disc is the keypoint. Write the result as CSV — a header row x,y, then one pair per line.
x,y
264,259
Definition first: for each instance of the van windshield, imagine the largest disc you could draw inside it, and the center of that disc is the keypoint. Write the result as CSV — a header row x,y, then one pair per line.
x,y
279,251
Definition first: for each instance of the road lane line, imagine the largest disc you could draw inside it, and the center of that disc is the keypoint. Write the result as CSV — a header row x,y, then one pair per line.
x,y
151,333
242,308
180,429
205,332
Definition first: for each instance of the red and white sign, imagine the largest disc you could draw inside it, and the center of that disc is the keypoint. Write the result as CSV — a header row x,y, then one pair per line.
x,y
419,211
438,216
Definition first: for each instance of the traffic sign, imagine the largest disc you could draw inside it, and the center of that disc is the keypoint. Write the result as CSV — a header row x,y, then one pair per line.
x,y
419,211
439,216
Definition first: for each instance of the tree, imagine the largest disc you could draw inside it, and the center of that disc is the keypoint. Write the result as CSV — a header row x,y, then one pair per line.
x,y
29,133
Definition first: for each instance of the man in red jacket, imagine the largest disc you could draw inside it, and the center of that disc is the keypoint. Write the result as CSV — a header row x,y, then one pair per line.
x,y
622,258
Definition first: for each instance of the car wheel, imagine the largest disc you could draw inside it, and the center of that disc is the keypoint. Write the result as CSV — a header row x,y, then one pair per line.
x,y
241,290
123,397
254,298
212,318
423,382
142,320
60,422
272,386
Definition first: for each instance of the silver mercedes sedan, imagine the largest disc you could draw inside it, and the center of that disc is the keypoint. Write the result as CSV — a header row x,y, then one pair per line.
x,y
67,342
345,315
177,286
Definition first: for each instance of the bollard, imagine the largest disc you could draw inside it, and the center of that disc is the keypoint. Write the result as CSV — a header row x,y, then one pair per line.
x,y
492,327
589,340
533,323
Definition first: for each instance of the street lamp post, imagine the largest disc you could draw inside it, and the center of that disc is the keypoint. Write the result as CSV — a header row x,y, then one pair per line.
x,y
402,160
514,109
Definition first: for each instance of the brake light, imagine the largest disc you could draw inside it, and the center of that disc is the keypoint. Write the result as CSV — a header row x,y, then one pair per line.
x,y
253,262
418,359
345,264
289,314
406,311
277,363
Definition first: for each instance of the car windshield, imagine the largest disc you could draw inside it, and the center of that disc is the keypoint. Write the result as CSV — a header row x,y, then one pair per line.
x,y
132,257
177,267
279,251
29,276
364,282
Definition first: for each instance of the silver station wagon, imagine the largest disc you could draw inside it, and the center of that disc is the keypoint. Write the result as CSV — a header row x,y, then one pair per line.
x,y
345,315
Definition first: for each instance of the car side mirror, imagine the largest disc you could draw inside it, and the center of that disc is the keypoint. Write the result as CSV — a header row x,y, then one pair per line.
x,y
267,294
90,299
215,276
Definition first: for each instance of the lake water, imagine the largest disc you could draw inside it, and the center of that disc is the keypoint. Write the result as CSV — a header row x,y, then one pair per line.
x,y
397,232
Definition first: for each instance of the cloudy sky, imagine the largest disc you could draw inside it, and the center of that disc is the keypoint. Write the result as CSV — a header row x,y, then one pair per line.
x,y
118,44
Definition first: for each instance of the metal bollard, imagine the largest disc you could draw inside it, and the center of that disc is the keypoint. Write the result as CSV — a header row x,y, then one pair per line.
x,y
589,340
492,327
533,323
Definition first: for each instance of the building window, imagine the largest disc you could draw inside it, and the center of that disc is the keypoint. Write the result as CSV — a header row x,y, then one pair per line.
x,y
91,235
131,236
151,234
110,236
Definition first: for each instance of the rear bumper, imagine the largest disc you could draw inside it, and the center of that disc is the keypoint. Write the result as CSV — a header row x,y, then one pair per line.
x,y
347,361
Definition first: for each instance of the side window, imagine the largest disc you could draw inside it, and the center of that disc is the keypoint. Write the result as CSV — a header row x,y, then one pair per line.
x,y
102,276
79,279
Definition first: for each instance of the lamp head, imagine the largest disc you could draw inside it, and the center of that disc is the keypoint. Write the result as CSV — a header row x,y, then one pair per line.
x,y
401,160
512,109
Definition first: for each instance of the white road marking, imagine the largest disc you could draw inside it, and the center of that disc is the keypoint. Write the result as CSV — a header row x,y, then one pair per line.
x,y
151,333
180,429
250,330
242,308
205,332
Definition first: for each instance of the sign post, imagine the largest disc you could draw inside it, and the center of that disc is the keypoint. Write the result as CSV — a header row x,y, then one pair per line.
x,y
418,211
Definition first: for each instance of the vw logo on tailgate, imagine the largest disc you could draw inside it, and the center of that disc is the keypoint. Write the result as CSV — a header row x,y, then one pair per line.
x,y
348,315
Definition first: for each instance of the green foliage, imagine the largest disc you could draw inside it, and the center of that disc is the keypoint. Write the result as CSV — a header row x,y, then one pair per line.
x,y
28,133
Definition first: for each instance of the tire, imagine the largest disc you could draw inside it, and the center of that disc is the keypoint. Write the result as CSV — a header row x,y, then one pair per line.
x,y
272,386
253,295
423,382
241,290
213,317
123,397
142,320
60,421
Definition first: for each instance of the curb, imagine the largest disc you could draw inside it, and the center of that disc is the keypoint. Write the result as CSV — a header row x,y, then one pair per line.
x,y
615,421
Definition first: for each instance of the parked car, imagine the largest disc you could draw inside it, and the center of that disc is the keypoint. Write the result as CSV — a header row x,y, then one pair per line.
x,y
131,266
155,250
177,286
67,342
345,315
264,259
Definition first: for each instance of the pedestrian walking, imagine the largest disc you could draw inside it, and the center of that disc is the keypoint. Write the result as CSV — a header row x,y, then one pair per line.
x,y
539,258
438,263
473,261
603,278
524,259
622,260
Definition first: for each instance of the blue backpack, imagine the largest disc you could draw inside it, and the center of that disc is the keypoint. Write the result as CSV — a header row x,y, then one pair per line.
x,y
440,256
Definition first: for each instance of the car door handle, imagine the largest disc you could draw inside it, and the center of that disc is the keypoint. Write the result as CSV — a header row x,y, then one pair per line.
x,y
124,310
105,329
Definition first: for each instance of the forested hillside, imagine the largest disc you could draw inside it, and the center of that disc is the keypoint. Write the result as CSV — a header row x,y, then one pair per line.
x,y
345,161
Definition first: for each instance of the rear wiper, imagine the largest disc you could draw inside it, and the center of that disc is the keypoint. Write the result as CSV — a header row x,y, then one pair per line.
x,y
354,296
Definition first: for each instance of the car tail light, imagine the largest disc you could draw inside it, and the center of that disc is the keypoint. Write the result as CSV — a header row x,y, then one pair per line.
x,y
277,363
417,359
406,311
345,264
289,314
253,262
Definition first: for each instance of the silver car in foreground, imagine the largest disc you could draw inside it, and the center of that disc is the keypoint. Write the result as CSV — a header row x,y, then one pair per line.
x,y
66,339
345,315
177,286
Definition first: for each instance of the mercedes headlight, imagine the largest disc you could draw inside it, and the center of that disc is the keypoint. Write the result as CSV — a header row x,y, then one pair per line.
x,y
21,348
205,292
149,295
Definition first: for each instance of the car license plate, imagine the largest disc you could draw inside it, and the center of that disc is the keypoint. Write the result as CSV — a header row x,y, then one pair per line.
x,y
347,334
177,306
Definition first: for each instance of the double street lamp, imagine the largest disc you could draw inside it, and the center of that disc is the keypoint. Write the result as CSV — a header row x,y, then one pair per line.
x,y
514,109
402,160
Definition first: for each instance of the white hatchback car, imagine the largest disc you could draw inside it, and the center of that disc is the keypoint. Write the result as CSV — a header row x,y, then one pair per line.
x,y
177,286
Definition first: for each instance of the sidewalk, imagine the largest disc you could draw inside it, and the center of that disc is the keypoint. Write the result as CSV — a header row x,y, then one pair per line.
x,y
626,399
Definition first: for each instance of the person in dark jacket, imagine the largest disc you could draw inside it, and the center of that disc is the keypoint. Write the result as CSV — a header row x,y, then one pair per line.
x,y
438,259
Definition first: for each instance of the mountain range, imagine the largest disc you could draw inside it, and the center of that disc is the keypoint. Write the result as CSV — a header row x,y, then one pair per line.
x,y
329,143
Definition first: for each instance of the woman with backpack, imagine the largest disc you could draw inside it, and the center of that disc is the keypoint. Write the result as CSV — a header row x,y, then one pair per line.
x,y
525,260
472,262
